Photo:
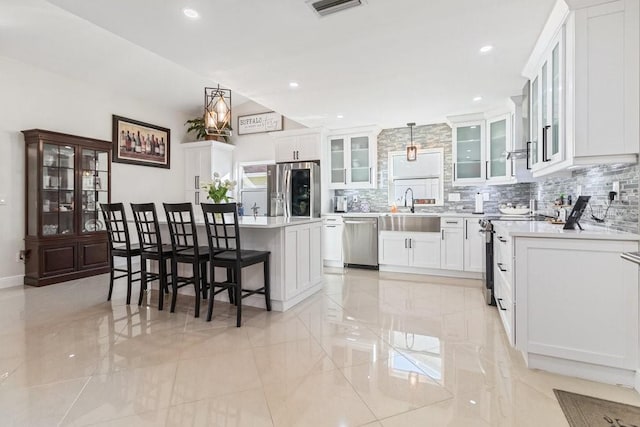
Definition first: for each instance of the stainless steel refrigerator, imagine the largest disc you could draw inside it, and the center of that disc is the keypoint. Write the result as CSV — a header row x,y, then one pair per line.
x,y
293,189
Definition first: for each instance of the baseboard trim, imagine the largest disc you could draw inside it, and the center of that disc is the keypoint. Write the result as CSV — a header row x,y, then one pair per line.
x,y
11,281
431,272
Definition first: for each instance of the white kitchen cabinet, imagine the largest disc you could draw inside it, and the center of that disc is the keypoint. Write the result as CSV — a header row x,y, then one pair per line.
x,y
480,146
577,307
352,158
585,86
469,149
452,244
409,249
201,160
332,230
303,257
474,246
499,143
298,145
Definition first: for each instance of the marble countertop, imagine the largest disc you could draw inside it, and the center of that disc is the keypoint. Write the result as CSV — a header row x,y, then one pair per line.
x,y
440,214
548,230
260,221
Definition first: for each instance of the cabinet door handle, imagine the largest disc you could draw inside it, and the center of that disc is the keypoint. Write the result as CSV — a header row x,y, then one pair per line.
x,y
466,229
499,301
331,226
454,172
410,244
293,154
196,182
442,233
503,240
501,267
544,143
197,198
405,244
486,169
528,155
369,175
345,175
451,222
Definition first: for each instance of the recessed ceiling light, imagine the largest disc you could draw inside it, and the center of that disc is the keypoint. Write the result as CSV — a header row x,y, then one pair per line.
x,y
477,98
190,13
486,49
340,116
293,84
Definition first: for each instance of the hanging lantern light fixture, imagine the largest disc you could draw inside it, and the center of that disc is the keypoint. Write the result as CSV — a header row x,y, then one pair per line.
x,y
217,111
412,150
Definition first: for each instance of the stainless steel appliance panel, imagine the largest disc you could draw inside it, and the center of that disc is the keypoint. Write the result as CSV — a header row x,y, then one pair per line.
x,y
360,241
294,189
399,222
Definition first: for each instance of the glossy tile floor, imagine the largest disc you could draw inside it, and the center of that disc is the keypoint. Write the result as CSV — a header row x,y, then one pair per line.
x,y
371,348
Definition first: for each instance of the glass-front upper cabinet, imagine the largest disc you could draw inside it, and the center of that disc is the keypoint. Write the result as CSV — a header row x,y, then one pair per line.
x,y
57,198
352,158
95,188
547,103
338,168
499,142
361,169
469,152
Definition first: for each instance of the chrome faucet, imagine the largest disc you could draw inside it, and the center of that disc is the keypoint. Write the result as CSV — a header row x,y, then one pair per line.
x,y
413,206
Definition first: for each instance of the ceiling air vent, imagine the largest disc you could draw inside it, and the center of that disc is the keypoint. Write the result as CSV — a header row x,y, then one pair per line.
x,y
327,7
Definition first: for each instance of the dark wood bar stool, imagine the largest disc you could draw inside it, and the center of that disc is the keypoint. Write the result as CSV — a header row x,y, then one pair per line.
x,y
184,243
151,248
221,221
120,245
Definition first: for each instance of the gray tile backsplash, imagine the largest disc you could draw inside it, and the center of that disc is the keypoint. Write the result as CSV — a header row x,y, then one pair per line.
x,y
595,181
432,136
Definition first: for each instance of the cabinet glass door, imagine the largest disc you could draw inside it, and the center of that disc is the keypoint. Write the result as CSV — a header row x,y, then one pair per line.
x,y
360,167
95,189
535,121
469,152
338,171
555,101
498,149
58,178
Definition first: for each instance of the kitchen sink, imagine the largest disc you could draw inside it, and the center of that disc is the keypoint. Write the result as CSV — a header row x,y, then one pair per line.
x,y
409,222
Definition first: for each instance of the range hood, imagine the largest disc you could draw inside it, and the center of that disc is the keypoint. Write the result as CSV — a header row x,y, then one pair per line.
x,y
521,125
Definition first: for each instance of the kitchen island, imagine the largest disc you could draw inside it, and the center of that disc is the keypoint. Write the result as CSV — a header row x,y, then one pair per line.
x,y
296,257
567,300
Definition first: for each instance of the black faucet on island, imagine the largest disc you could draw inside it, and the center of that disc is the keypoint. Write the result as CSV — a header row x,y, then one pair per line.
x,y
413,205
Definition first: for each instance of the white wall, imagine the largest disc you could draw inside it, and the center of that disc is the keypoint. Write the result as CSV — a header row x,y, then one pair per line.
x,y
257,146
34,98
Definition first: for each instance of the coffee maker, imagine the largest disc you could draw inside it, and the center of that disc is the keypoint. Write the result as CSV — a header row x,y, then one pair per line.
x,y
340,204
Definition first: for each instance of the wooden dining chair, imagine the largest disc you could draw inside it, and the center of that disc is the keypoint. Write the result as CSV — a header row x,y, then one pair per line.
x,y
120,245
185,250
223,234
152,248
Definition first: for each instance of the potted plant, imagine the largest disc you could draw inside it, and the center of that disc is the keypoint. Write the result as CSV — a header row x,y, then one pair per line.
x,y
217,190
197,127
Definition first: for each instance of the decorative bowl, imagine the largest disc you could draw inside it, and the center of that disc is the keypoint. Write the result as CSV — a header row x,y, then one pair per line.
x,y
514,211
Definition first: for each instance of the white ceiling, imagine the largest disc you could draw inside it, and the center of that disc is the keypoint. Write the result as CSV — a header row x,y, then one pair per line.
x,y
386,63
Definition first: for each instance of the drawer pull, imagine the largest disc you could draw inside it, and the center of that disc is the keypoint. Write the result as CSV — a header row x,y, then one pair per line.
x,y
501,267
451,222
499,301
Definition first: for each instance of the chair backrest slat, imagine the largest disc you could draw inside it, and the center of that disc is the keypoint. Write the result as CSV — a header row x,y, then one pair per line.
x,y
221,223
182,227
115,221
146,220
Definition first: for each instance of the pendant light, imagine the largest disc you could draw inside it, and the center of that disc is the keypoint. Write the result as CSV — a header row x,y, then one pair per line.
x,y
217,111
412,150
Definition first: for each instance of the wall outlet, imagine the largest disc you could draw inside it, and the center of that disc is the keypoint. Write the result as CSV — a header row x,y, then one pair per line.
x,y
485,197
454,197
616,187
355,199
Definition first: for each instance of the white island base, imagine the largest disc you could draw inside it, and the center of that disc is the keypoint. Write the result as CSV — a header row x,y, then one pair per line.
x,y
295,261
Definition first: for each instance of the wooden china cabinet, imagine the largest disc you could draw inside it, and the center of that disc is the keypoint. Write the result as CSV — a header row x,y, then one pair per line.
x,y
67,177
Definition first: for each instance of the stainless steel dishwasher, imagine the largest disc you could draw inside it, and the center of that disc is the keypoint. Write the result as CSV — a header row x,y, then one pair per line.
x,y
360,242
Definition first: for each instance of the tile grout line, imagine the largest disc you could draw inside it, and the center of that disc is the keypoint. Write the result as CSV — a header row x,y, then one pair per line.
x,y
74,401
